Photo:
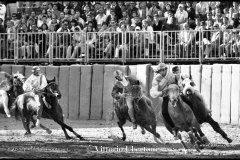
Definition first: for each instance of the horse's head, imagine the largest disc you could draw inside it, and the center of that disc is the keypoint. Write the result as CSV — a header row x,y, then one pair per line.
x,y
52,88
188,86
18,79
173,94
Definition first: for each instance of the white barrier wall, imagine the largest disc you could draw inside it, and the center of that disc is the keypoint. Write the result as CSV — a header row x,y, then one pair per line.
x,y
86,89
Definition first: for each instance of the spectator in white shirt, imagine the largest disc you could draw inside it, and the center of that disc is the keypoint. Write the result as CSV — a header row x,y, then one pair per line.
x,y
101,17
202,8
186,38
181,16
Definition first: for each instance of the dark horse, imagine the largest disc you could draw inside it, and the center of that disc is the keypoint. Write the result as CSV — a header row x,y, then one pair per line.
x,y
25,105
183,117
199,109
143,112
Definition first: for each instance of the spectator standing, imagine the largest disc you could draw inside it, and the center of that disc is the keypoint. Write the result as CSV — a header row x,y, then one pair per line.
x,y
55,10
186,37
101,17
15,20
216,41
202,8
226,24
157,24
78,42
107,9
181,16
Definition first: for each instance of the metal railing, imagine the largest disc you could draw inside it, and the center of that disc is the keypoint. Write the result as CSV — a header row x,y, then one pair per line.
x,y
130,46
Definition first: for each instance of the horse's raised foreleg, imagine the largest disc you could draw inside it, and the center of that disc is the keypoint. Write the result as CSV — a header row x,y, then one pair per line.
x,y
217,128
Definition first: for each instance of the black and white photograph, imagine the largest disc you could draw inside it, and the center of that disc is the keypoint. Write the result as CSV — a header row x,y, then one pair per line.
x,y
119,79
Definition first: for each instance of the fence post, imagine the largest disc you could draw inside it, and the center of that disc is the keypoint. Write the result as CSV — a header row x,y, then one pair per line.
x,y
86,49
123,46
15,48
161,60
201,46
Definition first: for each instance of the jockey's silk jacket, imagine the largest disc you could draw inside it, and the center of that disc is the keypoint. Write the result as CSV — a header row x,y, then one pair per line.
x,y
35,82
161,83
119,88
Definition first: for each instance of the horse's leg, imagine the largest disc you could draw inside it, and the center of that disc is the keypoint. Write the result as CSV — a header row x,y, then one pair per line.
x,y
33,119
202,138
194,140
120,124
26,122
217,128
143,130
183,144
63,125
154,129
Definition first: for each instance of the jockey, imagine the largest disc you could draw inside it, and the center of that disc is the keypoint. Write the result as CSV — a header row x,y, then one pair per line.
x,y
119,90
34,84
160,83
5,86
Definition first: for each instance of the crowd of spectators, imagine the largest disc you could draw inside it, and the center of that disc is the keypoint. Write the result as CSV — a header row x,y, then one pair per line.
x,y
68,23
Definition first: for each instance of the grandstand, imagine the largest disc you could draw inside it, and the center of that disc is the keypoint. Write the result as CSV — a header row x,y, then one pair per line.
x,y
119,32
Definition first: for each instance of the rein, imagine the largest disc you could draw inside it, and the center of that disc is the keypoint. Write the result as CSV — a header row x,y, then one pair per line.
x,y
50,94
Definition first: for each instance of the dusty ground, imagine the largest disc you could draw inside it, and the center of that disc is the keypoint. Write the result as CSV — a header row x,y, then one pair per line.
x,y
13,143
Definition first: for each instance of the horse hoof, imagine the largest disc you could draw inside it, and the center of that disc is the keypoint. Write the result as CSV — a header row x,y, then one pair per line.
x,y
205,140
186,151
81,138
49,131
123,138
196,146
68,138
33,126
229,140
27,134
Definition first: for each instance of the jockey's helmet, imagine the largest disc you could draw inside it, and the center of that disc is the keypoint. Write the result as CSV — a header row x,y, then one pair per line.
x,y
35,68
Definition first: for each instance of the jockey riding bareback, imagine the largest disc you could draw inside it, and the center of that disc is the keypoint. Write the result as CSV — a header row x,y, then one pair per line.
x,y
34,85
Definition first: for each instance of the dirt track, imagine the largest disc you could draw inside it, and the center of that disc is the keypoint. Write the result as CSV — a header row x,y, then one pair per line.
x,y
13,144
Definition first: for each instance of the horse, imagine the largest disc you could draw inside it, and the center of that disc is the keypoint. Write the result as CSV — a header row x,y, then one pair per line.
x,y
183,117
15,81
26,104
143,112
199,108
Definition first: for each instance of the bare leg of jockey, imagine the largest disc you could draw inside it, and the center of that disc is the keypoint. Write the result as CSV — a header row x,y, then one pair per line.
x,y
197,93
130,111
39,108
